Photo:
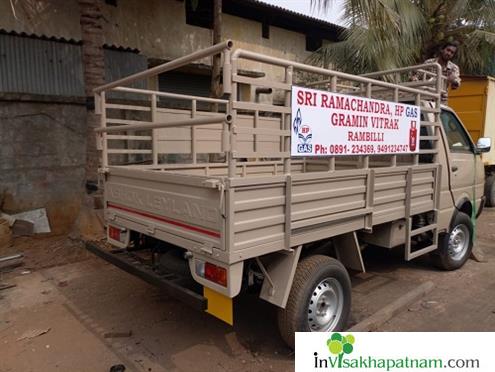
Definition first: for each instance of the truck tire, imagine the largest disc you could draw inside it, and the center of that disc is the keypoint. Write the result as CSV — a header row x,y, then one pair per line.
x,y
490,190
319,300
455,247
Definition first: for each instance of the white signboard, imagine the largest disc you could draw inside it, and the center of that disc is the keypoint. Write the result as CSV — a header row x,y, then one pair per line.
x,y
328,124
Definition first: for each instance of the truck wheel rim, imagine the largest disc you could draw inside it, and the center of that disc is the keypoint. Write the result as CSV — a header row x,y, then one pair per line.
x,y
458,242
325,305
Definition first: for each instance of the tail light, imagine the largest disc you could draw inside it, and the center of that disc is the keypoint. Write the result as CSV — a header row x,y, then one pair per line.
x,y
214,273
115,233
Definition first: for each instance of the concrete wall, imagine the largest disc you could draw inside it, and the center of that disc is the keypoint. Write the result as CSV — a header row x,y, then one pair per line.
x,y
42,156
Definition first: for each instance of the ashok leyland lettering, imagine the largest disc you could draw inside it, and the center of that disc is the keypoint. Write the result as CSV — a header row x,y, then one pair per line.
x,y
280,194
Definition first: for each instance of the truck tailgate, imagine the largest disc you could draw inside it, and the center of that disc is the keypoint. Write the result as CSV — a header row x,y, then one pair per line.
x,y
181,209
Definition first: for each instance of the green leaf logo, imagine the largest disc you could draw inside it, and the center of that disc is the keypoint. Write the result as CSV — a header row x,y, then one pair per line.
x,y
339,345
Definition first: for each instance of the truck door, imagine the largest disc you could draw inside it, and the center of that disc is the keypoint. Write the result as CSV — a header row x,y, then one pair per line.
x,y
463,175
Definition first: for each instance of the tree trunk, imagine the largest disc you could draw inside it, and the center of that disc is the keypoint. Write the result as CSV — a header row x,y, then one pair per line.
x,y
89,225
94,74
215,88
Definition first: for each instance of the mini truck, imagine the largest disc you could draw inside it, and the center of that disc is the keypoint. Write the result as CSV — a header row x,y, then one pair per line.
x,y
207,198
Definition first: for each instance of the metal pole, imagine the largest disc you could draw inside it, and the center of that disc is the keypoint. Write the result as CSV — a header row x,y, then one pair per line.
x,y
179,62
11,258
232,161
179,123
193,133
287,121
154,134
241,53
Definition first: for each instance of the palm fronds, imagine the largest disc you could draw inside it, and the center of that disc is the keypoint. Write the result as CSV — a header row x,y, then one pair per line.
x,y
384,34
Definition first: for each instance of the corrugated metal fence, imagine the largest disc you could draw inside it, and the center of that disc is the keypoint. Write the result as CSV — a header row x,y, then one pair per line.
x,y
36,66
28,65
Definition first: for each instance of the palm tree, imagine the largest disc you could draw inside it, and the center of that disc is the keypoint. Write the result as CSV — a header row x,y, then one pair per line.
x,y
384,34
91,21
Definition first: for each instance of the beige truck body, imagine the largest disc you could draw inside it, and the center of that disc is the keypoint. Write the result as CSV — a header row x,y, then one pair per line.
x,y
259,204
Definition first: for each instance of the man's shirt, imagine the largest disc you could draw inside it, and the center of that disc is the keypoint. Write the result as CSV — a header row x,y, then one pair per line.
x,y
451,71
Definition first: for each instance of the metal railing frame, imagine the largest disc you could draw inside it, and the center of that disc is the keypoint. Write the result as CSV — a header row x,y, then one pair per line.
x,y
230,82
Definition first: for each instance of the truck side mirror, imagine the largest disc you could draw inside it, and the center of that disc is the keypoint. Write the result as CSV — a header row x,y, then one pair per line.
x,y
484,144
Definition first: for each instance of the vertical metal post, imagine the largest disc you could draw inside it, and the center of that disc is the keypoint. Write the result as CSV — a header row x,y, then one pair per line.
x,y
333,84
286,125
227,89
227,72
193,132
409,180
232,161
417,101
393,161
333,88
287,120
255,137
154,132
370,199
436,131
103,124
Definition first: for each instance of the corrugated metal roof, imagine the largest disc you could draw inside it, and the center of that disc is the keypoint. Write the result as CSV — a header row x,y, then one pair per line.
x,y
283,18
64,40
39,36
297,14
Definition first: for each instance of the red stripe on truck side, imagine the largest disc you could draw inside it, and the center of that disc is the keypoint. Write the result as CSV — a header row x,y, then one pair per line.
x,y
214,234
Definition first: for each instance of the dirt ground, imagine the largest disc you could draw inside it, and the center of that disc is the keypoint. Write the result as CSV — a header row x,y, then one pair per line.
x,y
70,311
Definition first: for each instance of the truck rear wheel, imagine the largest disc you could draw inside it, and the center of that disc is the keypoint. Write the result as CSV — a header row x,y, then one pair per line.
x,y
455,247
490,190
319,300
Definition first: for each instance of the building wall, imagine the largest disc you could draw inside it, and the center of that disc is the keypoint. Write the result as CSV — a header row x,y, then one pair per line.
x,y
156,27
42,157
42,144
57,18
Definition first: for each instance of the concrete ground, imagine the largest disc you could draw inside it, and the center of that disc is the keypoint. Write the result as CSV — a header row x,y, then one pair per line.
x,y
86,315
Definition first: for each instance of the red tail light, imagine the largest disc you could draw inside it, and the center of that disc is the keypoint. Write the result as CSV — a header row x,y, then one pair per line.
x,y
114,233
216,274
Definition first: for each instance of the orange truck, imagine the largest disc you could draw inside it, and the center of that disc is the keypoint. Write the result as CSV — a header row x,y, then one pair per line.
x,y
474,103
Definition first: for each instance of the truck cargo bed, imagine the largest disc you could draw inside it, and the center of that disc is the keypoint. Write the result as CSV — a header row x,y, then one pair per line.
x,y
257,214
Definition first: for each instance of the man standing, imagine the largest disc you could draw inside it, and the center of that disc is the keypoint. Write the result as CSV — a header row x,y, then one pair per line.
x,y
449,68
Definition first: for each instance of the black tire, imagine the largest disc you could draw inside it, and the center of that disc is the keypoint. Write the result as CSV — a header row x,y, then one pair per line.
x,y
490,191
315,273
452,258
